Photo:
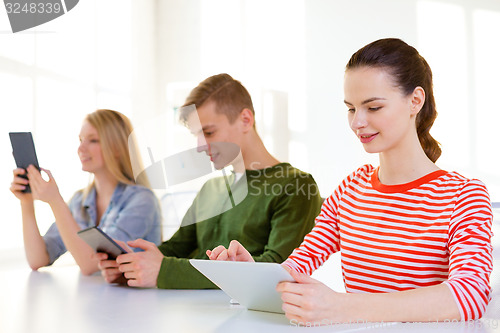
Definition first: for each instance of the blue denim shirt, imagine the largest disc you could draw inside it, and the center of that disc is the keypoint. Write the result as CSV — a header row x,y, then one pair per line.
x,y
132,213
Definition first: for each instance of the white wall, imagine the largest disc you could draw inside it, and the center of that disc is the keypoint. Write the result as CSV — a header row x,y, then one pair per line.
x,y
334,31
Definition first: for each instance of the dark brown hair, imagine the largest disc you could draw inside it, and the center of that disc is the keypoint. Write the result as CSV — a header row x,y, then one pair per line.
x,y
230,96
408,70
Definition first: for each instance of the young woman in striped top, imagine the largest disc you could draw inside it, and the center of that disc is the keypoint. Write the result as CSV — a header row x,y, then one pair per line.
x,y
415,240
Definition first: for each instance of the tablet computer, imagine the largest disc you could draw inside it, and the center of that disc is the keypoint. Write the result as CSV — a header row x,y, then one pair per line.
x,y
252,284
100,242
23,149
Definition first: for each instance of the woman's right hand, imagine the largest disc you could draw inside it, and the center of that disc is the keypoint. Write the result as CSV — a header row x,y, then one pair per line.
x,y
235,252
19,184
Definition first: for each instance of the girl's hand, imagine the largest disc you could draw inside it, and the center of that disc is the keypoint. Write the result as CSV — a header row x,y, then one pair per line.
x,y
19,184
235,252
46,191
310,301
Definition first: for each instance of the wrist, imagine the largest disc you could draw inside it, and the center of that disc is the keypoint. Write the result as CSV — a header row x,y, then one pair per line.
x,y
27,205
56,201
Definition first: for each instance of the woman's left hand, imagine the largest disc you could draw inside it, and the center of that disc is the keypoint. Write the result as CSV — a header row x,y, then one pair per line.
x,y
46,191
308,301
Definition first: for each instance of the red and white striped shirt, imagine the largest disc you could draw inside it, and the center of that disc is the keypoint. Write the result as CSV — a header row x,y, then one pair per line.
x,y
436,229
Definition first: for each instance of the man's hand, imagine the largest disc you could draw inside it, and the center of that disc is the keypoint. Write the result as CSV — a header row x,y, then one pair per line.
x,y
141,269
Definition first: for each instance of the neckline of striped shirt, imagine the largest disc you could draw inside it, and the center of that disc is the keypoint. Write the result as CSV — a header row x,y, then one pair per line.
x,y
377,185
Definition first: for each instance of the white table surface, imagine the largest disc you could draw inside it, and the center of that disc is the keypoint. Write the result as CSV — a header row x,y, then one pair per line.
x,y
59,299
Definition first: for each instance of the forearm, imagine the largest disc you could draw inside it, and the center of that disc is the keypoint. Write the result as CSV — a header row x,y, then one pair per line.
x,y
178,273
34,245
435,303
68,229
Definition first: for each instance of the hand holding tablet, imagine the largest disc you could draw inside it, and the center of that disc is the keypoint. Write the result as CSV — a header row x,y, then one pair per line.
x,y
23,149
252,284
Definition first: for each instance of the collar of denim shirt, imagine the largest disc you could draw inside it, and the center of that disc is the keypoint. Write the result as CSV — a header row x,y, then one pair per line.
x,y
90,204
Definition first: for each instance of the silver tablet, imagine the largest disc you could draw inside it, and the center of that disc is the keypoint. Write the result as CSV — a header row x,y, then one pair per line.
x,y
101,242
252,284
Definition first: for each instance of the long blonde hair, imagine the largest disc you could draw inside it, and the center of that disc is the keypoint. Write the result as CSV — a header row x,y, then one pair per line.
x,y
114,130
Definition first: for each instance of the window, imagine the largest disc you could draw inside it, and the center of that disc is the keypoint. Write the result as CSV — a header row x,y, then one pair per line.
x,y
466,82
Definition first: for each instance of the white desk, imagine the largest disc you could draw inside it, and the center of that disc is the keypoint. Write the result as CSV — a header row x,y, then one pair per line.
x,y
60,299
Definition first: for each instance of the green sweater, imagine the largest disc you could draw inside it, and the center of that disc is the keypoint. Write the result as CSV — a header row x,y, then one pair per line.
x,y
269,216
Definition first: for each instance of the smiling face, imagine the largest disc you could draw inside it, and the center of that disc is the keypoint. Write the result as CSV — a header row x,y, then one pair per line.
x,y
216,136
379,114
89,151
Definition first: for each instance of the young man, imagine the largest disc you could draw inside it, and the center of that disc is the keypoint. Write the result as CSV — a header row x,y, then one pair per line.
x,y
275,206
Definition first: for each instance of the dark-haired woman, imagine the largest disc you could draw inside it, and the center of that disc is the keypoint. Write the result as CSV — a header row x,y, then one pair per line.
x,y
415,240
